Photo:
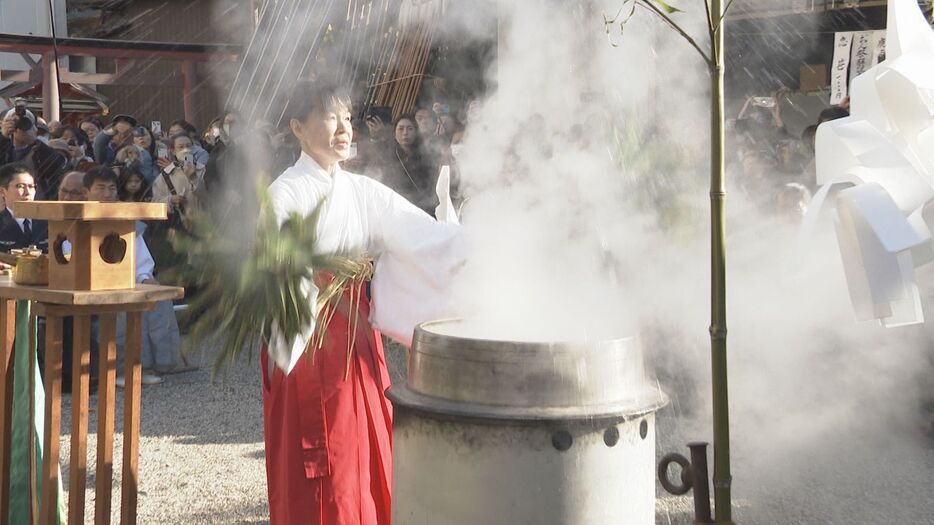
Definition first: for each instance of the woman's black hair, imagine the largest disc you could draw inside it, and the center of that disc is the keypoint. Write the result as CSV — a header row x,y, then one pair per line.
x,y
152,141
79,135
177,136
184,124
8,171
411,118
308,95
144,189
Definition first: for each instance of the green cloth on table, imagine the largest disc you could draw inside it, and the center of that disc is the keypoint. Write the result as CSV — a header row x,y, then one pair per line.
x,y
27,429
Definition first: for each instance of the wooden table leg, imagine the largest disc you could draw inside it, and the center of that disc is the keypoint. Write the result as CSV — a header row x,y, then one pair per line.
x,y
106,407
53,419
7,333
131,407
80,383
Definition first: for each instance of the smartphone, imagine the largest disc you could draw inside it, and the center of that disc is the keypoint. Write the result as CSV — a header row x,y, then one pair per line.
x,y
189,159
156,128
162,151
764,102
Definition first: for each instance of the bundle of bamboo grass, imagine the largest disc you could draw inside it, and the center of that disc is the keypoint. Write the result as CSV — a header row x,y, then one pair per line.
x,y
247,288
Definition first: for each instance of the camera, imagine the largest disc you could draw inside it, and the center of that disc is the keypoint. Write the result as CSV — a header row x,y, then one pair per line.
x,y
23,123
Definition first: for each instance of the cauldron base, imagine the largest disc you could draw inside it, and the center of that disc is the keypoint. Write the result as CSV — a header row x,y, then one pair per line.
x,y
469,472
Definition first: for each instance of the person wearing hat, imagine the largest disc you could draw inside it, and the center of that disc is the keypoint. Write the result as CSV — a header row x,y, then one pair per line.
x,y
42,130
112,138
19,143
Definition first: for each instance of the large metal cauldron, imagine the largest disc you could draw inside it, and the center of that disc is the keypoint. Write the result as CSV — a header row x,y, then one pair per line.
x,y
499,432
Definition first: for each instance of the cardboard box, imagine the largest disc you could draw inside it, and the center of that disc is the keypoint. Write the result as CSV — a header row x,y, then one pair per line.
x,y
813,77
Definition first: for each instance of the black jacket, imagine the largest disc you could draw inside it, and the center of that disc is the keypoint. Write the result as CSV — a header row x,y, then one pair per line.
x,y
49,166
12,236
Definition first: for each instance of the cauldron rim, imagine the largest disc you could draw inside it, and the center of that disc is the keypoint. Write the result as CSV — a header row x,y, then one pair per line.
x,y
627,409
424,333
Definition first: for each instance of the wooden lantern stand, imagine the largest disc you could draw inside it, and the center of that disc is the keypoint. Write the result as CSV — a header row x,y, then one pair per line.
x,y
99,278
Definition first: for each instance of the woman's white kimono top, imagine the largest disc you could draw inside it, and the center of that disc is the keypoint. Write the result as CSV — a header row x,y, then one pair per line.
x,y
415,254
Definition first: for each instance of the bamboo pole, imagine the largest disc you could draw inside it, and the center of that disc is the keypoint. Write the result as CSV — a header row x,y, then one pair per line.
x,y
722,478
423,64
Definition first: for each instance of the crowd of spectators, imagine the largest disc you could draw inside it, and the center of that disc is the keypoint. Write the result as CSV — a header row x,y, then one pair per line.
x,y
776,168
407,153
187,169
125,160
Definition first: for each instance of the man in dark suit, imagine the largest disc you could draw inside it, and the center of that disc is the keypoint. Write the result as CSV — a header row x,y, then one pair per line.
x,y
18,184
18,143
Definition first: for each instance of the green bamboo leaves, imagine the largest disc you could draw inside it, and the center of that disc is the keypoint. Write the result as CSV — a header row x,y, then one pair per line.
x,y
610,22
616,20
662,10
667,7
248,288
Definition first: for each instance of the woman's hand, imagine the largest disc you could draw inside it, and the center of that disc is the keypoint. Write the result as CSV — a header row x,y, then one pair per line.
x,y
189,170
163,162
178,200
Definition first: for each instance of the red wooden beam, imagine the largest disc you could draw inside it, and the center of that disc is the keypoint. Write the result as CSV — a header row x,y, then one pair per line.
x,y
119,48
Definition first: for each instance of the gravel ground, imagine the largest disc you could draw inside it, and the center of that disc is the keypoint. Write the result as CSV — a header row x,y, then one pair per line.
x,y
201,461
201,449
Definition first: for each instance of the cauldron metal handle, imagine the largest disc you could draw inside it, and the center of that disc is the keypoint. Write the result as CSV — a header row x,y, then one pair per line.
x,y
693,475
686,481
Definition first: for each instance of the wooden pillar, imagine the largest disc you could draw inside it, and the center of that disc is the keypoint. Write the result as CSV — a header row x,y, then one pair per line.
x,y
53,419
50,96
106,407
80,382
188,82
7,333
131,407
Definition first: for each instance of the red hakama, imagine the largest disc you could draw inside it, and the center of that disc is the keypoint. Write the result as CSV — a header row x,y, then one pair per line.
x,y
328,430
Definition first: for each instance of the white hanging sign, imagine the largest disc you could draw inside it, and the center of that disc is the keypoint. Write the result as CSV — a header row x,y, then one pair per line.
x,y
862,53
878,46
841,63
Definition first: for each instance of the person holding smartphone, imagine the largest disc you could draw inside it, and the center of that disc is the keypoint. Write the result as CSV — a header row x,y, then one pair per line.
x,y
178,180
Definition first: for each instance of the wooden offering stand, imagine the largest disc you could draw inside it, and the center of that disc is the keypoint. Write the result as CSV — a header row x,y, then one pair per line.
x,y
98,278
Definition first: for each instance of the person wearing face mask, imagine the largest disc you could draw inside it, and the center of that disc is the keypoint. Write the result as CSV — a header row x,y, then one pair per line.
x,y
19,143
219,135
42,131
178,181
184,127
211,135
91,127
